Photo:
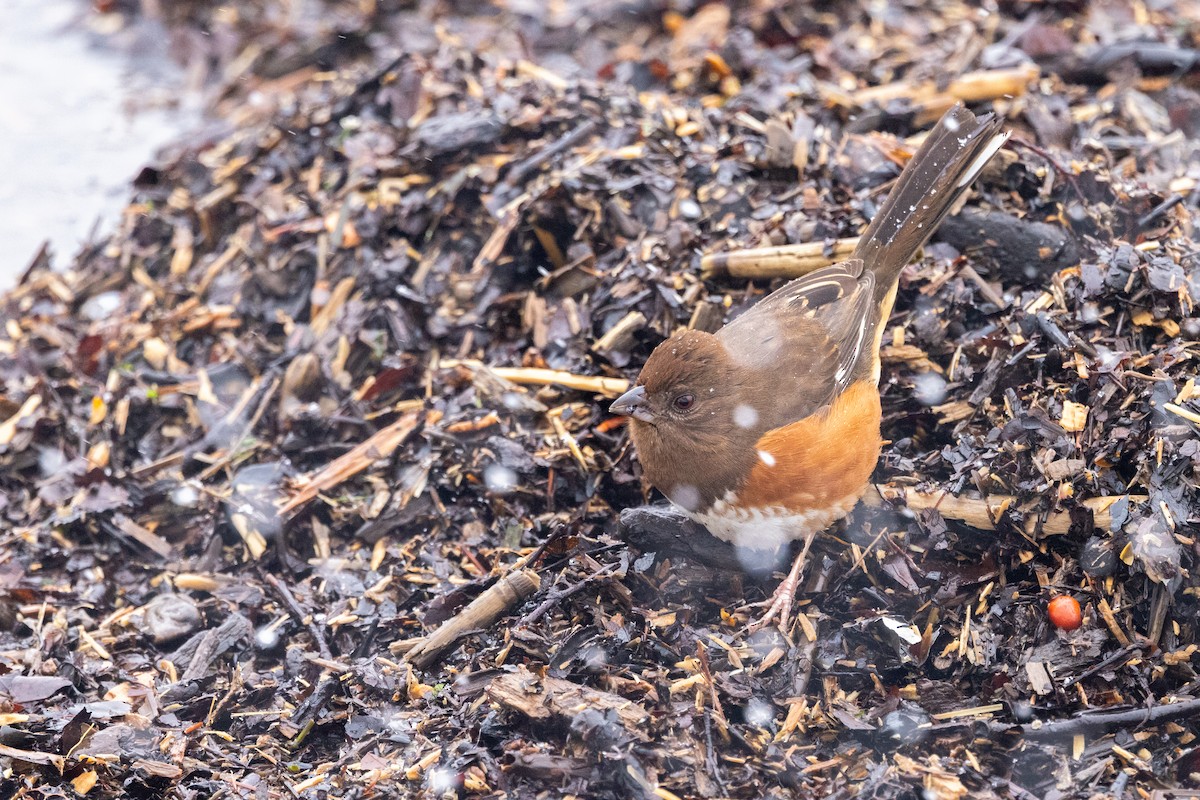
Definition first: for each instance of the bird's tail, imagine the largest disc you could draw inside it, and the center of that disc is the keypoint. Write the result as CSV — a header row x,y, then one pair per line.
x,y
949,159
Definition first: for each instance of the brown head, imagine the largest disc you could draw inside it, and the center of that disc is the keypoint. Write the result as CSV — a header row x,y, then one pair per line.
x,y
692,420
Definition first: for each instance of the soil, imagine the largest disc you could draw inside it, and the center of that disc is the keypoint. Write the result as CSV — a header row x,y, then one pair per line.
x,y
307,482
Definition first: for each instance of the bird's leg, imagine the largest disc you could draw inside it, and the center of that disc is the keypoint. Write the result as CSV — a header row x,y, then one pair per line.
x,y
781,601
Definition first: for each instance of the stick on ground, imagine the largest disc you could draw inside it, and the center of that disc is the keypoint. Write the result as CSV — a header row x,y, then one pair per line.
x,y
479,614
785,261
597,384
984,512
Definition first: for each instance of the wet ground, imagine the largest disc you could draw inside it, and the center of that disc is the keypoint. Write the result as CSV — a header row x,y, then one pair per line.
x,y
83,107
308,486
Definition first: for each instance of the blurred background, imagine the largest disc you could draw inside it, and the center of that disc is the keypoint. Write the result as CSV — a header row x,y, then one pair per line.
x,y
86,99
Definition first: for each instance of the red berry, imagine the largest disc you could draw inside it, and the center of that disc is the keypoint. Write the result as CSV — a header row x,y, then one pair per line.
x,y
1064,612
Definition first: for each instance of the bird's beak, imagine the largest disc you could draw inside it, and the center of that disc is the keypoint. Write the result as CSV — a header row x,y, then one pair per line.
x,y
633,404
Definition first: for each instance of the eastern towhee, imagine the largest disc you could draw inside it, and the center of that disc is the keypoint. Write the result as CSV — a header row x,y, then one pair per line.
x,y
768,430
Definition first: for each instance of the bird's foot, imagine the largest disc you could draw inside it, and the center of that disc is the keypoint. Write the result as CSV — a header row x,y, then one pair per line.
x,y
779,607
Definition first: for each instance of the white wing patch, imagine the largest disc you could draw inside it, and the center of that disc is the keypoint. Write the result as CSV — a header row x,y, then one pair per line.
x,y
847,362
983,158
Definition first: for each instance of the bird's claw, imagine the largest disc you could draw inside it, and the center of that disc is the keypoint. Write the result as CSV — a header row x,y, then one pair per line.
x,y
779,607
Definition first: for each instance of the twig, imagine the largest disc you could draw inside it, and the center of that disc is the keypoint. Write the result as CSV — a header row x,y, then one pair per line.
x,y
333,306
509,216
710,754
972,87
1185,413
552,79
1102,720
1110,619
380,445
481,612
568,440
984,513
784,261
1160,604
597,384
985,288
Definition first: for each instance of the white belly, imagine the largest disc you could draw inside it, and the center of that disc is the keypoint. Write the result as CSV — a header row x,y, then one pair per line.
x,y
769,529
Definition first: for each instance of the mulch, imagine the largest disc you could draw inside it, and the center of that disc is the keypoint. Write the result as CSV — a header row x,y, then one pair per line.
x,y
307,483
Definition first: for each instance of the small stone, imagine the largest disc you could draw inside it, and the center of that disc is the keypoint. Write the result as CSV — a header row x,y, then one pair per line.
x,y
171,616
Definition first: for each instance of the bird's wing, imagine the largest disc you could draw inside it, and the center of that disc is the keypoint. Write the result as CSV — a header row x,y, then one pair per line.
x,y
808,340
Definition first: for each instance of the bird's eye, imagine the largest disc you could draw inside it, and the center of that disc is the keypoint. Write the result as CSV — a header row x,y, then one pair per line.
x,y
684,402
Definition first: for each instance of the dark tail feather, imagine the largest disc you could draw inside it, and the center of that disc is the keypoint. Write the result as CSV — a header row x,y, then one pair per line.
x,y
941,170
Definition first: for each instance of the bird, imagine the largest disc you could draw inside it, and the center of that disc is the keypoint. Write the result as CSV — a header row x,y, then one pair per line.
x,y
767,431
